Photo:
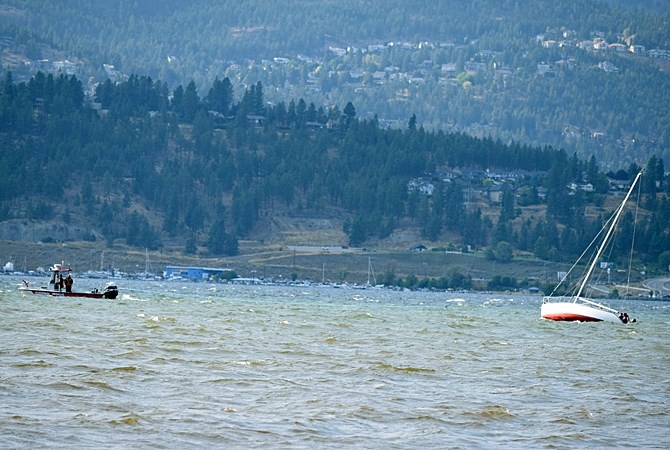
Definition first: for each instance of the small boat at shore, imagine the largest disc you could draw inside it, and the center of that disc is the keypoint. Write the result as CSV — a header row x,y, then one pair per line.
x,y
578,308
62,287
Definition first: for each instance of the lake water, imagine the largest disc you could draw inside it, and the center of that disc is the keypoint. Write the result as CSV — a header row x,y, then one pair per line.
x,y
185,365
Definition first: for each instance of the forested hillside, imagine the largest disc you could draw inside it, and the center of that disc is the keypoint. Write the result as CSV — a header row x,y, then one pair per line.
x,y
591,77
141,163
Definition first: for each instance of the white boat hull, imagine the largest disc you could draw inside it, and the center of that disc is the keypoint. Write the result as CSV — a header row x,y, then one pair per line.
x,y
576,312
107,293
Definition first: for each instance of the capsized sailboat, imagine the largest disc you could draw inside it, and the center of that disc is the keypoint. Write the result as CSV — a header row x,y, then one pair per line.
x,y
578,308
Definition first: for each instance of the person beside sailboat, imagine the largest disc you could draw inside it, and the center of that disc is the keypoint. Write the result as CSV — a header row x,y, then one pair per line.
x,y
625,319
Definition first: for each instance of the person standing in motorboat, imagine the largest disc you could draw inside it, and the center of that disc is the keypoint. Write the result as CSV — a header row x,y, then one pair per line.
x,y
68,283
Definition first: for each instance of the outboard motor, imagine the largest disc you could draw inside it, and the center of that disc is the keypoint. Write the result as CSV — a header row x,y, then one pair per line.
x,y
110,291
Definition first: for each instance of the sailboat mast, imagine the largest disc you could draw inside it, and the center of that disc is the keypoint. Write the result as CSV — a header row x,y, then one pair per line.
x,y
601,249
371,272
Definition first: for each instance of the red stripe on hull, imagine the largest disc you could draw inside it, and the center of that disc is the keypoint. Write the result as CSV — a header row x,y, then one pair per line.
x,y
571,318
69,294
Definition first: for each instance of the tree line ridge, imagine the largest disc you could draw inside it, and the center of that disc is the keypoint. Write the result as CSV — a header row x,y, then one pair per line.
x,y
144,164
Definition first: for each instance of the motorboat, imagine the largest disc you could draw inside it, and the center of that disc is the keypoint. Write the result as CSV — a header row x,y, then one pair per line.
x,y
60,286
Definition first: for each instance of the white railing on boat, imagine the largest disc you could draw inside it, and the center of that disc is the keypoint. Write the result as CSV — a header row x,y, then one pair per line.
x,y
579,299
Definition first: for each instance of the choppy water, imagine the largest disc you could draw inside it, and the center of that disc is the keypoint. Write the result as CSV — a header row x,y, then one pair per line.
x,y
197,365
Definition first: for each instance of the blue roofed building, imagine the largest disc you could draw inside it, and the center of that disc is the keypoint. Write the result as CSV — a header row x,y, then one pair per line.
x,y
196,273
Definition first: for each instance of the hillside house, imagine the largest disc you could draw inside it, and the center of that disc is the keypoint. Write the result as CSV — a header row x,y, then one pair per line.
x,y
585,187
474,174
544,69
502,175
585,45
619,48
256,121
378,76
66,66
496,192
356,74
600,44
333,125
315,125
448,69
422,185
608,66
337,51
472,66
618,185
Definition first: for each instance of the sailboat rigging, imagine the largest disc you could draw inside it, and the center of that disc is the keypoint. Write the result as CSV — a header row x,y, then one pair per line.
x,y
371,273
577,307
